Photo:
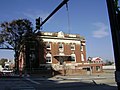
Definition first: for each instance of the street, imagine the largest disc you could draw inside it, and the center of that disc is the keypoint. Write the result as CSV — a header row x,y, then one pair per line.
x,y
58,83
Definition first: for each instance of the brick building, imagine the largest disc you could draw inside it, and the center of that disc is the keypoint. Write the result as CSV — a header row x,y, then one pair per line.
x,y
64,54
67,52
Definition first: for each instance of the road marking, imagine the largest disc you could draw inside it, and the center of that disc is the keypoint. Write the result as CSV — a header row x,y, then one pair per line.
x,y
32,81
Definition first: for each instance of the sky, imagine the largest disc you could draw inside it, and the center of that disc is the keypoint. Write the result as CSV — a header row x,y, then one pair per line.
x,y
89,18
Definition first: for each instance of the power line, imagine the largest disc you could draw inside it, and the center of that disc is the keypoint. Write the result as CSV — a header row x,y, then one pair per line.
x,y
68,15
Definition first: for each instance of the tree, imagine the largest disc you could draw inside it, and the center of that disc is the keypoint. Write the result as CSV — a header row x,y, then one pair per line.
x,y
2,61
13,31
109,62
19,36
12,35
89,59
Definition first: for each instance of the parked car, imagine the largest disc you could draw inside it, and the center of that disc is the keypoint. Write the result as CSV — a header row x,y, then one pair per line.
x,y
6,72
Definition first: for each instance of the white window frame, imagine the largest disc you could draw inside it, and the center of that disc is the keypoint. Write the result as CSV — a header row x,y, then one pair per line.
x,y
49,55
72,45
49,44
61,49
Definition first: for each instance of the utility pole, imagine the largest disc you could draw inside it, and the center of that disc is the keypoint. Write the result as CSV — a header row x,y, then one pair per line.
x,y
114,15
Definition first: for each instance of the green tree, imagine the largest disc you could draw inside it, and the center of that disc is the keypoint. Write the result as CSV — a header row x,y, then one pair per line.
x,y
108,62
12,32
2,61
12,35
19,35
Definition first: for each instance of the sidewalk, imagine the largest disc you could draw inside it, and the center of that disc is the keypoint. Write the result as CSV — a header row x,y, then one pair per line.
x,y
94,76
99,78
82,82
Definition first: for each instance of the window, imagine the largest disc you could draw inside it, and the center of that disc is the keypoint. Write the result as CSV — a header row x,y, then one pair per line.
x,y
61,47
48,46
73,57
72,47
48,58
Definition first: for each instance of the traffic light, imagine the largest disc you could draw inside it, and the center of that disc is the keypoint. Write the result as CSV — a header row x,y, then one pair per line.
x,y
38,23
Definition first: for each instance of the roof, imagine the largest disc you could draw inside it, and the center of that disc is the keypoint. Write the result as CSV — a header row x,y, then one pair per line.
x,y
96,59
61,34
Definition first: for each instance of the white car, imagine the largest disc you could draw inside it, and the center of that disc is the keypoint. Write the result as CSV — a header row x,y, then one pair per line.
x,y
6,72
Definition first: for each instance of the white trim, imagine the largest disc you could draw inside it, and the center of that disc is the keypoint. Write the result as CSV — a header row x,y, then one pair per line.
x,y
61,49
49,55
72,35
60,34
58,40
65,38
72,45
82,57
50,46
83,44
48,33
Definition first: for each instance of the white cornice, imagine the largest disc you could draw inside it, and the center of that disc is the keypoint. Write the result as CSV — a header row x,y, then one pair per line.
x,y
49,37
59,40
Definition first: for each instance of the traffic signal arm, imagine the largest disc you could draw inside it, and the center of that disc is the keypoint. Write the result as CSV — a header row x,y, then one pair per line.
x,y
55,10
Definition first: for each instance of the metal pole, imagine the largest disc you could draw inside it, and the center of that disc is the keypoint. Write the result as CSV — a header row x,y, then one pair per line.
x,y
54,11
115,37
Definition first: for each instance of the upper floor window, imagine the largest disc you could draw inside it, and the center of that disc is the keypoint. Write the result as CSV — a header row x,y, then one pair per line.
x,y
72,47
48,46
61,47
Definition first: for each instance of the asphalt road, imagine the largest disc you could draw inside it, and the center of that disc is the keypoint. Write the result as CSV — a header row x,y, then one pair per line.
x,y
37,83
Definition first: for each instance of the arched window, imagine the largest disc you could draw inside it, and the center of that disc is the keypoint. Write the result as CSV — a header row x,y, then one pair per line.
x,y
48,58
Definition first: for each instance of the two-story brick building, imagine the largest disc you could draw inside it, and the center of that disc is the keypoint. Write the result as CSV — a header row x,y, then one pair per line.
x,y
64,53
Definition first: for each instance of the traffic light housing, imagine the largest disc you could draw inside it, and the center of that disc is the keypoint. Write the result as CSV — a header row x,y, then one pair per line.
x,y
38,23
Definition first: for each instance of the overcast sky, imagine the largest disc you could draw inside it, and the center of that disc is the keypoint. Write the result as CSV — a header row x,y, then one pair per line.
x,y
89,18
